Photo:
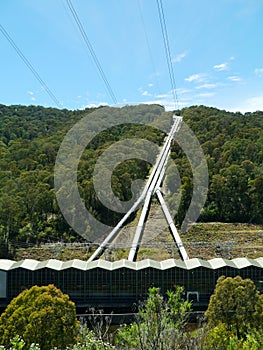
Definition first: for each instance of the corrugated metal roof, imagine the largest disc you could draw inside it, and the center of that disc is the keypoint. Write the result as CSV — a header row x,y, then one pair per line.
x,y
124,263
75,264
194,263
146,263
217,263
245,262
170,263
30,264
54,264
102,264
6,264
259,261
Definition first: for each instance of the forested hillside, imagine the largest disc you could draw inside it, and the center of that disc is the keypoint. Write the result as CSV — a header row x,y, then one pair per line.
x,y
30,138
233,145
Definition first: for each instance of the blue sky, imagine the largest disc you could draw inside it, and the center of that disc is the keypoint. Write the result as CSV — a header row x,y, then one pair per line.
x,y
216,48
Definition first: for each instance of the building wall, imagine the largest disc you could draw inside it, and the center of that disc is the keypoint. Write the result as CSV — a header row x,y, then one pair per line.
x,y
100,285
3,278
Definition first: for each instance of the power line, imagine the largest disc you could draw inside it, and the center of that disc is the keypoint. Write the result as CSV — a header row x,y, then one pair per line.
x,y
167,50
29,65
148,43
91,50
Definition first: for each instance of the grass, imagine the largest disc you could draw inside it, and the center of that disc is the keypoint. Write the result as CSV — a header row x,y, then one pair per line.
x,y
203,240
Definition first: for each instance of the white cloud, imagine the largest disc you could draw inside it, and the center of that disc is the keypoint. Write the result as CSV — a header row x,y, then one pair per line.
x,y
206,86
196,77
255,103
167,103
179,57
251,104
221,66
182,91
31,94
206,94
169,95
146,93
163,95
166,100
150,85
258,71
234,78
95,105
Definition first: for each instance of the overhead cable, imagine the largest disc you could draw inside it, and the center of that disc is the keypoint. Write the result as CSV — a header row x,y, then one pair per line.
x,y
91,50
148,44
167,50
29,65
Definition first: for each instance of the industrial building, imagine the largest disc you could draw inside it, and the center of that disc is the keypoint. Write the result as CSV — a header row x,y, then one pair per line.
x,y
122,284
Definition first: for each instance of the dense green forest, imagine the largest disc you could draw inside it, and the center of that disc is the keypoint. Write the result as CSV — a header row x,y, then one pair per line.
x,y
233,145
30,138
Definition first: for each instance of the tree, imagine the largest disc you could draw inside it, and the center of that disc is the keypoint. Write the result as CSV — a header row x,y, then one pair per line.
x,y
237,305
42,315
256,195
159,325
221,338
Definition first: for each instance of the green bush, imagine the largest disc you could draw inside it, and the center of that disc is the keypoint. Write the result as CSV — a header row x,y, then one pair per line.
x,y
42,315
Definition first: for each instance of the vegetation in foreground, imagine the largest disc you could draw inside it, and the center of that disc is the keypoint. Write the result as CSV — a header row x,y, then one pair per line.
x,y
42,315
234,316
234,321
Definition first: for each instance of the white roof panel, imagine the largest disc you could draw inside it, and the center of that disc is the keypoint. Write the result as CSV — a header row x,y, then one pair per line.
x,y
170,263
54,264
217,263
124,263
75,264
241,263
196,262
29,264
6,264
259,261
102,264
146,263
